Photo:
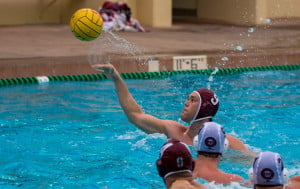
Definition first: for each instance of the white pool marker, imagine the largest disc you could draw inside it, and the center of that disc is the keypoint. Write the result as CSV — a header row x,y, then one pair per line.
x,y
42,79
153,65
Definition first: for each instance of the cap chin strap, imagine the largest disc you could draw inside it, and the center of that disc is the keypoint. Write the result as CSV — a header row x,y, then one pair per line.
x,y
173,172
195,120
198,109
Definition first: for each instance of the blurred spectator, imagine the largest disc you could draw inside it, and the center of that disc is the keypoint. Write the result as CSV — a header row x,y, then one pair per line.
x,y
117,17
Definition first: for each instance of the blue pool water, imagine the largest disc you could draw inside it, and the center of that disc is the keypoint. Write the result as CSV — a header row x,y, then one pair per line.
x,y
75,135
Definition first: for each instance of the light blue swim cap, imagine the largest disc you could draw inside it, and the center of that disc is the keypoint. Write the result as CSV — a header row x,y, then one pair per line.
x,y
268,170
210,139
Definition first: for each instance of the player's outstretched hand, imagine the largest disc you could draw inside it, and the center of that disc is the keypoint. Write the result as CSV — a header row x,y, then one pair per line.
x,y
107,69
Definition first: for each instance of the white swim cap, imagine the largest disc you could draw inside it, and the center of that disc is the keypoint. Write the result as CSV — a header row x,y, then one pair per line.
x,y
268,170
210,139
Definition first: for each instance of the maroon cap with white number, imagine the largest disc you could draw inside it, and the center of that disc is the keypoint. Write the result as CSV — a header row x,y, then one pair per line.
x,y
208,106
175,157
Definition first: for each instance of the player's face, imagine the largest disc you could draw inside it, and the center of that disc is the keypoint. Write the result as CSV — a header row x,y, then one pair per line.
x,y
190,107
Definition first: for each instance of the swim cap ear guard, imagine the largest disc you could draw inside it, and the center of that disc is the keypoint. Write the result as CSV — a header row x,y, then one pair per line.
x,y
286,176
226,145
195,142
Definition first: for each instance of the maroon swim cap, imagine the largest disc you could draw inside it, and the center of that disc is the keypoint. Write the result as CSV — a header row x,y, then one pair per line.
x,y
175,157
208,106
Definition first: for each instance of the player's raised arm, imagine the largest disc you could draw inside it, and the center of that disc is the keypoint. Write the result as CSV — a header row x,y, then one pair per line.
x,y
133,111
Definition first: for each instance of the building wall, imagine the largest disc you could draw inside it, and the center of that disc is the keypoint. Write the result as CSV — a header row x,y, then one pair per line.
x,y
14,12
19,12
241,12
154,13
272,10
186,4
186,8
68,7
227,11
281,9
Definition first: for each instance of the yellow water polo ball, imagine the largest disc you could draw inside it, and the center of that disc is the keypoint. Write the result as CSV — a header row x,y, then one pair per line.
x,y
86,24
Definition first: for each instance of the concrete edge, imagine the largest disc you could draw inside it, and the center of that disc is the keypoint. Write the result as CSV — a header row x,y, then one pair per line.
x,y
58,66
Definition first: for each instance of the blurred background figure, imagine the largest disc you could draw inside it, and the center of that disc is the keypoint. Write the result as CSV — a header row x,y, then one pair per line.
x,y
117,17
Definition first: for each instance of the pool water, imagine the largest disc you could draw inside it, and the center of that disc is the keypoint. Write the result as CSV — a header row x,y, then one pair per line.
x,y
75,135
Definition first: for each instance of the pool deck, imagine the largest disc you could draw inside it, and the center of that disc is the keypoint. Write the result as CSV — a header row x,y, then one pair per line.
x,y
47,50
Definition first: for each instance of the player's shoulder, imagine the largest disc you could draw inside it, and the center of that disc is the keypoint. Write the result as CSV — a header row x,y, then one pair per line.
x,y
175,129
175,124
234,177
295,178
180,184
294,182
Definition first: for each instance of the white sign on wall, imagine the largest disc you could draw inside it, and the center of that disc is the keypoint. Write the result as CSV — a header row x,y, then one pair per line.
x,y
190,62
153,65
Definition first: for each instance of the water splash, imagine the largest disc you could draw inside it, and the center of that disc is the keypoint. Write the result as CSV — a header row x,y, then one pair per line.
x,y
268,20
239,48
224,58
110,47
211,78
251,30
233,185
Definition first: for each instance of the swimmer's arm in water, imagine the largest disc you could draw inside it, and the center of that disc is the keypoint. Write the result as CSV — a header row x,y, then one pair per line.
x,y
239,152
237,156
133,111
294,182
237,144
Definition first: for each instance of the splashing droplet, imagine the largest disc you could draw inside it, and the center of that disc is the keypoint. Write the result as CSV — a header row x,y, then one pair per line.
x,y
239,48
224,58
211,78
251,30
